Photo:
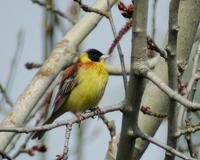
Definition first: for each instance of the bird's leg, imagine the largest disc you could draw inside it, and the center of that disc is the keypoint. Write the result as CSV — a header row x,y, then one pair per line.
x,y
80,117
97,111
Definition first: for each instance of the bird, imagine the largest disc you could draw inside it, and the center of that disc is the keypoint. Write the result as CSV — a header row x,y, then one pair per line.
x,y
82,86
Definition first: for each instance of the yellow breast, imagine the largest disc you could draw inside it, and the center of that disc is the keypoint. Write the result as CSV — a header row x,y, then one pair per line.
x,y
92,79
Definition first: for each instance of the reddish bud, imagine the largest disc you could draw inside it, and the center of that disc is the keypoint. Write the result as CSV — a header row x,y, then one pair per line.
x,y
59,157
42,148
130,9
35,147
30,152
145,109
121,6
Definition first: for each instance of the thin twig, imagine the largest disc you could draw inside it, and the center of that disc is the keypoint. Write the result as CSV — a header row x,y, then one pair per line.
x,y
147,110
72,121
31,65
110,125
22,147
14,62
185,149
166,89
153,46
121,55
7,98
13,143
190,95
188,130
67,137
58,12
87,8
165,147
5,156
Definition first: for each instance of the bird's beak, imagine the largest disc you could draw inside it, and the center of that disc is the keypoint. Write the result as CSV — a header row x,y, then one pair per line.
x,y
105,56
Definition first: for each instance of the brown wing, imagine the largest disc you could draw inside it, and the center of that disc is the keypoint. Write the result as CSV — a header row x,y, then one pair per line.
x,y
69,81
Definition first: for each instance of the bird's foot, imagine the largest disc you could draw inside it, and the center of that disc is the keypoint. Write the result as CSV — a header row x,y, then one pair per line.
x,y
80,117
97,111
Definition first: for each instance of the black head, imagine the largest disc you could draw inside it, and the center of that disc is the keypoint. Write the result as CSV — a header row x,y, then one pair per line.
x,y
94,54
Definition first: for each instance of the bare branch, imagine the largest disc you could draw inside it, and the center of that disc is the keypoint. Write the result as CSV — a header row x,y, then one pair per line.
x,y
8,100
188,130
171,93
67,137
61,56
136,83
31,65
121,55
14,61
190,95
58,12
172,74
56,124
153,46
165,147
110,125
22,147
147,110
148,124
87,8
5,156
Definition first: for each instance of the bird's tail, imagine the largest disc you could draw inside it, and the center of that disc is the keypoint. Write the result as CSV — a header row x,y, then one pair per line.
x,y
40,134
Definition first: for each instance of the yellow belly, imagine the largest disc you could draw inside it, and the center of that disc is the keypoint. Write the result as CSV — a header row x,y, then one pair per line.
x,y
88,92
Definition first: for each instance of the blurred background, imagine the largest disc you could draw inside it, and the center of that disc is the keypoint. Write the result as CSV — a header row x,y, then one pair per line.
x,y
28,33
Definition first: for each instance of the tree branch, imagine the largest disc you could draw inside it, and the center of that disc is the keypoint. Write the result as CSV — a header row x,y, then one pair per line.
x,y
56,124
60,57
121,55
172,74
5,156
166,147
66,146
7,98
58,12
110,125
136,82
171,93
188,130
87,8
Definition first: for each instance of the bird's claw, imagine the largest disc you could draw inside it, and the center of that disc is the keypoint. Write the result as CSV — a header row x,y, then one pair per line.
x,y
80,117
97,111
